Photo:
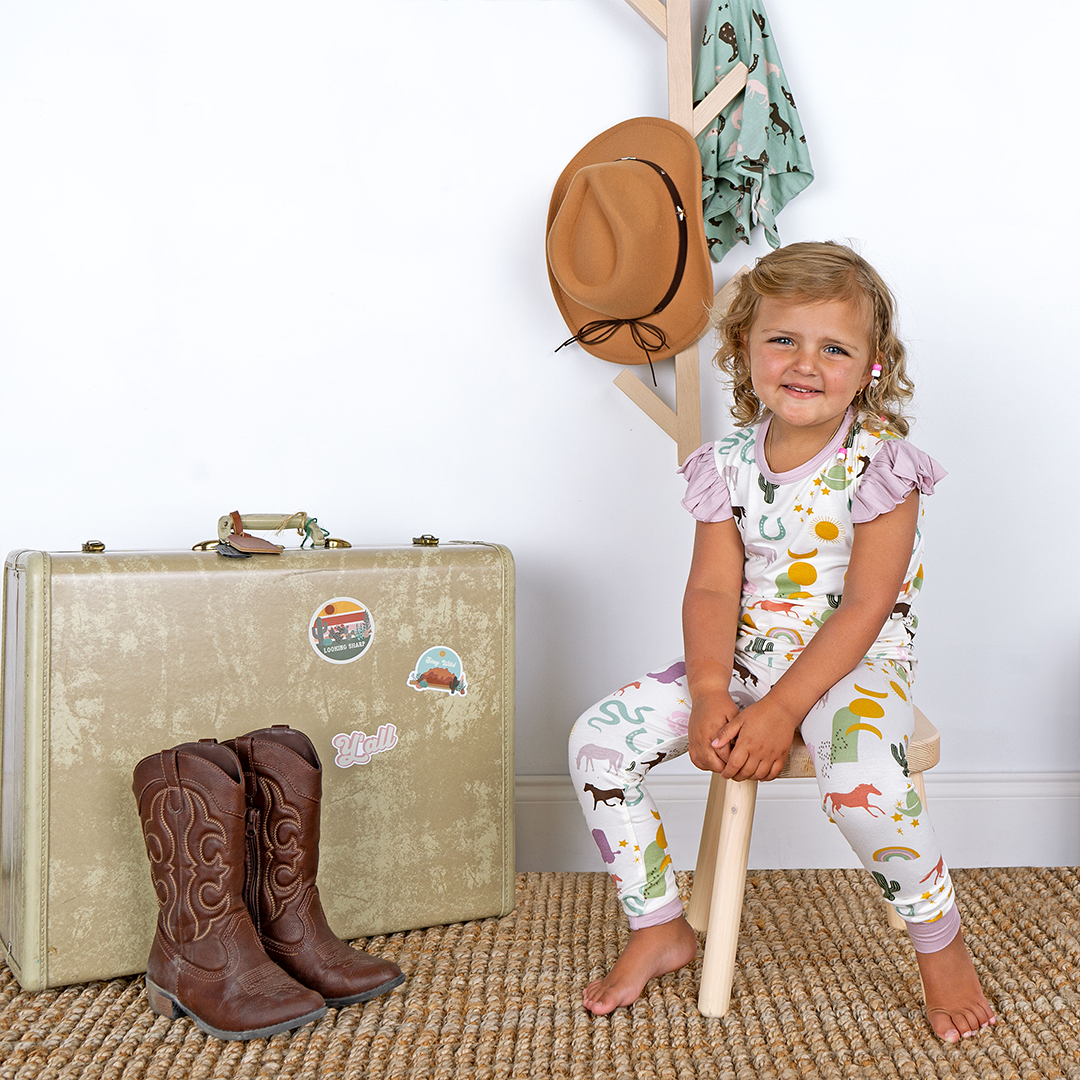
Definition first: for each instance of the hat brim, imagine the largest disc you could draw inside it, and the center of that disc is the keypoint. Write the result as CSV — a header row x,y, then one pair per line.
x,y
686,316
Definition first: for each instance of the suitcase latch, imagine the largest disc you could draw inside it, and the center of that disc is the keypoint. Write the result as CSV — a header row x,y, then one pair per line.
x,y
427,540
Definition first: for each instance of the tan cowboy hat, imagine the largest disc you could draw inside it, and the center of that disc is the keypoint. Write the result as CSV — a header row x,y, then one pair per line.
x,y
626,250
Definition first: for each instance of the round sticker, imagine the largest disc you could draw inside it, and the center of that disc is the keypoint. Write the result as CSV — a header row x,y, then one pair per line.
x,y
341,630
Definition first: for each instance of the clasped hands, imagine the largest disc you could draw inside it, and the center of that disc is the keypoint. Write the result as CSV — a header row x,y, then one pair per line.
x,y
747,744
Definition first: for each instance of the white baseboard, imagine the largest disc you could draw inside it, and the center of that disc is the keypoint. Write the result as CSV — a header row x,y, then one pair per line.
x,y
984,819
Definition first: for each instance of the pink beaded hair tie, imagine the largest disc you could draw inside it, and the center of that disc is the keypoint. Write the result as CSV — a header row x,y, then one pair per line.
x,y
875,372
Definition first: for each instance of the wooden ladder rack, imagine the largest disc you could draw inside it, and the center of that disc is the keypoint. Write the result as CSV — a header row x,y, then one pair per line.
x,y
672,22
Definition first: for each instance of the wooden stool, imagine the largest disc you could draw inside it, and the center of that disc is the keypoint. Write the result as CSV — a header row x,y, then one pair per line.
x,y
720,877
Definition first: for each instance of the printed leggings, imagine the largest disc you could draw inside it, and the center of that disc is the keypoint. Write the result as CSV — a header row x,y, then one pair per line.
x,y
857,734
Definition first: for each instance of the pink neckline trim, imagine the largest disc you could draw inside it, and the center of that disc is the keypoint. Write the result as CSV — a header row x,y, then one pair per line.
x,y
808,468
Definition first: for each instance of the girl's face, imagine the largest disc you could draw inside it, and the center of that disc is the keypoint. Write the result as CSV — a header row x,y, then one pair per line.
x,y
808,361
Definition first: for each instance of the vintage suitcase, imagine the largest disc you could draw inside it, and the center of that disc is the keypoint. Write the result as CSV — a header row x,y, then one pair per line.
x,y
397,662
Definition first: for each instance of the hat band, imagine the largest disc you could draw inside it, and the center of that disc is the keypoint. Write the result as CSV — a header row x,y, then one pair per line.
x,y
684,234
648,337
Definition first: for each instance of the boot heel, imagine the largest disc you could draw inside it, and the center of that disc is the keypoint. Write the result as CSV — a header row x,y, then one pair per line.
x,y
161,1003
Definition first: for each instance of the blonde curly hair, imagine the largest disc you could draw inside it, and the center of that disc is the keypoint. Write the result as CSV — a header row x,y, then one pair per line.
x,y
812,273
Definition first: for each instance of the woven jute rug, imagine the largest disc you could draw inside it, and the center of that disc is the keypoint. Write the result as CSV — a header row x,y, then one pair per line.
x,y
823,988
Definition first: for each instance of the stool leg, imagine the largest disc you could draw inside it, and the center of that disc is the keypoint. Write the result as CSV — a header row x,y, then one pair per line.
x,y
725,911
894,919
697,911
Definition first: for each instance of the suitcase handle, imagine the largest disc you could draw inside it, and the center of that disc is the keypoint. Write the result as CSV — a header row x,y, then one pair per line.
x,y
235,525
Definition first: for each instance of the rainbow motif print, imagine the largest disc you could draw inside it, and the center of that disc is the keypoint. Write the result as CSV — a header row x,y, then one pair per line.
x,y
887,854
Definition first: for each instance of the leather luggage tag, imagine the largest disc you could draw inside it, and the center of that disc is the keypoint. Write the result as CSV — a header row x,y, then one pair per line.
x,y
253,545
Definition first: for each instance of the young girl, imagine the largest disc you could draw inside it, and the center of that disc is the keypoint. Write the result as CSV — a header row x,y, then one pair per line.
x,y
798,616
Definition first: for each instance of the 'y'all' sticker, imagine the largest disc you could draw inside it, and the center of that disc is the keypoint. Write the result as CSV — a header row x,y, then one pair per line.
x,y
341,630
357,748
439,669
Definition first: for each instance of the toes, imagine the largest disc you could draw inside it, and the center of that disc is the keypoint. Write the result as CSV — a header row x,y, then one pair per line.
x,y
957,1024
596,998
944,1026
973,1020
600,1007
965,1025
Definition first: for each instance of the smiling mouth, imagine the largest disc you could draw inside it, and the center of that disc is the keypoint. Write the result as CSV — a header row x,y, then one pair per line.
x,y
804,391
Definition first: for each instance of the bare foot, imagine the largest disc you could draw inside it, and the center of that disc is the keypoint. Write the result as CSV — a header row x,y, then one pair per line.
x,y
955,1005
651,951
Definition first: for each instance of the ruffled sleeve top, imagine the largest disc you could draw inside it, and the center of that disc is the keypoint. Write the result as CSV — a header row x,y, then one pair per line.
x,y
895,469
797,526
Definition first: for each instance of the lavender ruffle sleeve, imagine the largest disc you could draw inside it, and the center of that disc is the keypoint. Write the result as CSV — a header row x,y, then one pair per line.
x,y
897,469
707,496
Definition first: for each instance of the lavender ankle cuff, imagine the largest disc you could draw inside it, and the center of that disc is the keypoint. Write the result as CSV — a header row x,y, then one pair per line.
x,y
671,910
934,936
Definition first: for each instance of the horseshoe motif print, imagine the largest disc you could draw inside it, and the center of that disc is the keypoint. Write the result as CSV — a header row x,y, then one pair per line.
x,y
779,524
633,735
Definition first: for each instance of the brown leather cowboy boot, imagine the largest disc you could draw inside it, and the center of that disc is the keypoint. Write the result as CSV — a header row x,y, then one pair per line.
x,y
284,788
206,961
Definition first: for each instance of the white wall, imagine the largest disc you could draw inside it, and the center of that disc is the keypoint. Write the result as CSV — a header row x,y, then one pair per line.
x,y
237,237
